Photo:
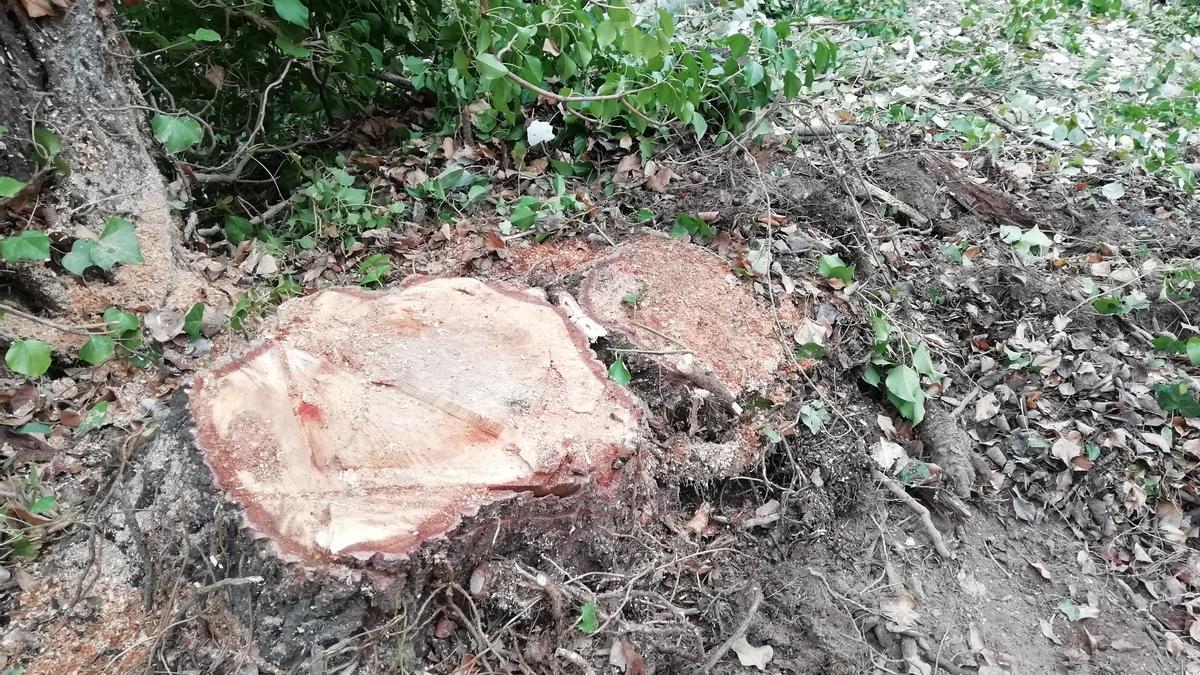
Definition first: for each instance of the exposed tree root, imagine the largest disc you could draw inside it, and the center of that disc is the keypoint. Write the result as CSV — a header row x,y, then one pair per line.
x,y
939,544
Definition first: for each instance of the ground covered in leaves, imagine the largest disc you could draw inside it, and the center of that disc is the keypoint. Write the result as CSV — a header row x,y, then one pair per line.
x,y
977,266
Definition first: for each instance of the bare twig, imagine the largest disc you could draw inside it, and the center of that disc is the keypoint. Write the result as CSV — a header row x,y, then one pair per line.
x,y
939,544
74,330
1010,128
756,598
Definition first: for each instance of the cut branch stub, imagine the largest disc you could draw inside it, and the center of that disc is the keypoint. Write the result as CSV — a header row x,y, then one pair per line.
x,y
373,422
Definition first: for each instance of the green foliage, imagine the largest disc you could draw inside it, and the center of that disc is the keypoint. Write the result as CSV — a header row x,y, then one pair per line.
x,y
29,245
30,358
120,322
613,65
9,187
1179,282
374,268
589,622
1031,242
618,373
1115,303
897,366
98,349
904,391
176,132
1170,345
814,417
833,267
94,419
1177,397
117,245
689,225
193,321
810,350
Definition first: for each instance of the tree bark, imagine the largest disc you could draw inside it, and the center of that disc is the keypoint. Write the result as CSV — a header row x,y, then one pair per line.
x,y
70,75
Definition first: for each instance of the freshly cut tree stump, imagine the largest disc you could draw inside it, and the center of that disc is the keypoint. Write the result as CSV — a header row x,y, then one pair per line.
x,y
370,453
373,422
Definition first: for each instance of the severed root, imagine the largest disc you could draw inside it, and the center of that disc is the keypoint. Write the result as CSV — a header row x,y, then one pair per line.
x,y
575,658
896,489
950,448
715,657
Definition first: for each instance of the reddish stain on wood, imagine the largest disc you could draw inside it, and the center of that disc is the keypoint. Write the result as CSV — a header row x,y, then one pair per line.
x,y
308,412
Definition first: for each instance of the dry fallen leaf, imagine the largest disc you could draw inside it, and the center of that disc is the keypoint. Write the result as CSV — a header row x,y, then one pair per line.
x,y
699,520
986,407
888,454
659,179
628,164
36,8
749,655
1048,631
622,655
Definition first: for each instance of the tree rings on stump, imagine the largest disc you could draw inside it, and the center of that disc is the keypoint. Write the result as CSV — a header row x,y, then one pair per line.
x,y
370,423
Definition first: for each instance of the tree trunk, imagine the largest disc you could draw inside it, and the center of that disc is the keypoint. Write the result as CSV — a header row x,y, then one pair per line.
x,y
68,74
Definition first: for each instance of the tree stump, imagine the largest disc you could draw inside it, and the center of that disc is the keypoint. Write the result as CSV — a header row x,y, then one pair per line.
x,y
371,445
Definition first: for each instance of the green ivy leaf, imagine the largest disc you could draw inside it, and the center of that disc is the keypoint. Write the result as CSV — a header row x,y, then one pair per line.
x,y
606,33
923,364
80,258
43,504
291,48
618,373
176,132
814,417
904,382
833,267
810,350
97,350
45,143
33,428
374,268
904,391
1108,305
914,473
490,66
29,245
120,322
30,358
193,321
292,11
94,419
238,229
117,244
1193,350
9,187
204,35
1177,397
589,622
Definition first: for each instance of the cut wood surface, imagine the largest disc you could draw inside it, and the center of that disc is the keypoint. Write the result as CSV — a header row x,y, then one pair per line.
x,y
684,302
372,422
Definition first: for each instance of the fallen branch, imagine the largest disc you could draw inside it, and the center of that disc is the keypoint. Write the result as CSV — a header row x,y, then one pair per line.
x,y
891,200
896,489
756,598
1013,129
